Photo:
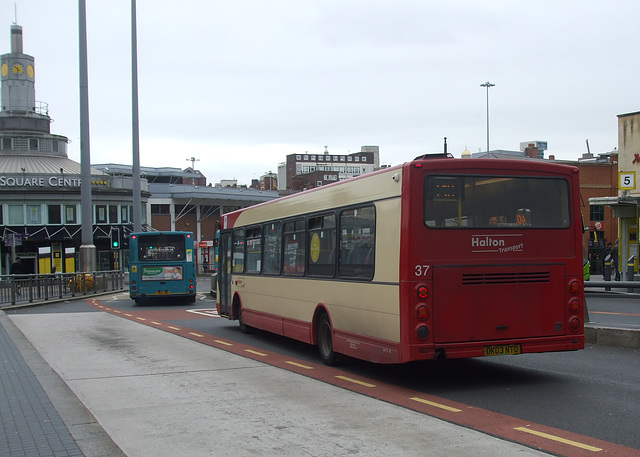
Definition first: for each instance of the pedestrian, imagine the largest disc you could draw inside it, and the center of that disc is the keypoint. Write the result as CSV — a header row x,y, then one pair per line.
x,y
18,270
606,258
16,267
615,264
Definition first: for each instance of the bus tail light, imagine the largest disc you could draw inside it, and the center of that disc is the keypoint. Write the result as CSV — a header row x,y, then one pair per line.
x,y
574,286
423,332
423,312
423,292
574,305
575,323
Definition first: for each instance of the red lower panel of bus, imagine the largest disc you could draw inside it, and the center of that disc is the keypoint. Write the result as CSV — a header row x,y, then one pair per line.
x,y
382,351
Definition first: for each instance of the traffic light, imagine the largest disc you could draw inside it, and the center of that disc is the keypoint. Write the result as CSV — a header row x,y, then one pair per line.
x,y
115,238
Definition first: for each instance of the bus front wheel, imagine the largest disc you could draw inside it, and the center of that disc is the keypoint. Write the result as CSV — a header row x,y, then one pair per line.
x,y
325,341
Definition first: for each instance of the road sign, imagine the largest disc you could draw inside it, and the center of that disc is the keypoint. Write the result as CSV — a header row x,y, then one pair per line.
x,y
627,180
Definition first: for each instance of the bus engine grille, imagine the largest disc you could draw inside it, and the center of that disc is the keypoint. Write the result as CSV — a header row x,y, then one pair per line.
x,y
472,279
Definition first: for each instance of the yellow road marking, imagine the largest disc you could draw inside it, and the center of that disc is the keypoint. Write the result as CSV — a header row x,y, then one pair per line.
x,y
256,352
559,439
156,323
196,334
117,311
223,342
437,405
128,315
295,364
141,318
174,328
355,381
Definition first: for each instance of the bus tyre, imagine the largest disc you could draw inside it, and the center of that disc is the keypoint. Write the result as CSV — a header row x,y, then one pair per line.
x,y
325,341
244,328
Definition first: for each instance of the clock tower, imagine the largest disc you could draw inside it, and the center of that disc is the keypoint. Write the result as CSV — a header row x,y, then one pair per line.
x,y
18,77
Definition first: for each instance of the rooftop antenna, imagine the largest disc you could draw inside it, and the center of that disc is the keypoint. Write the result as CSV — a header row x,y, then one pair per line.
x,y
193,161
15,13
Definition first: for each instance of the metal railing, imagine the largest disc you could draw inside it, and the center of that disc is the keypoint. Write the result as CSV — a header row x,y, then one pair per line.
x,y
21,289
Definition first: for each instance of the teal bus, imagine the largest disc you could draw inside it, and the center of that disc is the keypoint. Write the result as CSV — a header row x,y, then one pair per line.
x,y
162,265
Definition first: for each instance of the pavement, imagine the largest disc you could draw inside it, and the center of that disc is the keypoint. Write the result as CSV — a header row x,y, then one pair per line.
x,y
93,384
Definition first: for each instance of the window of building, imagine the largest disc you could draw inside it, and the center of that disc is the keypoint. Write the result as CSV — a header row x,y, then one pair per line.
x,y
298,157
357,158
70,214
294,247
272,253
335,158
306,157
125,213
6,144
113,214
342,158
349,159
54,146
54,214
1,218
357,242
34,214
33,144
254,250
16,214
101,214
322,245
313,157
160,209
596,213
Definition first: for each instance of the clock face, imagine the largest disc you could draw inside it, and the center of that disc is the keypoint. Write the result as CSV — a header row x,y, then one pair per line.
x,y
30,71
17,69
5,70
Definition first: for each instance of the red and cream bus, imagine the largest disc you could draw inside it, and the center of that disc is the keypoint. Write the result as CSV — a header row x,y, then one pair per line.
x,y
437,258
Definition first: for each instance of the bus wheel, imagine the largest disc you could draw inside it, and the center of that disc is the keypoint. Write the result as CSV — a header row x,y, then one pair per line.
x,y
325,341
244,328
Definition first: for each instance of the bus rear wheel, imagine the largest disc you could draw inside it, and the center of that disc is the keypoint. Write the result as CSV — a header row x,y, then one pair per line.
x,y
325,341
244,328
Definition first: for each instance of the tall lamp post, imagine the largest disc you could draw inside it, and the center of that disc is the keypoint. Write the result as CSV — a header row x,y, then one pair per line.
x,y
487,85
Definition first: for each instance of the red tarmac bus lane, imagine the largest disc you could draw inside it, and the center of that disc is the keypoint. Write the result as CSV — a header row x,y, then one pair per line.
x,y
537,436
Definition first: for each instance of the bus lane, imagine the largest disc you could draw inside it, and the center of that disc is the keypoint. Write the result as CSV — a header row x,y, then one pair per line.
x,y
413,386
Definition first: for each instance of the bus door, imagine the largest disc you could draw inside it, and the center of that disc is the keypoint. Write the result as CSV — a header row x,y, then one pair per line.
x,y
224,274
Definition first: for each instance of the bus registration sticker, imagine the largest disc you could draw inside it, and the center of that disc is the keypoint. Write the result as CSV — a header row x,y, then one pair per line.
x,y
503,349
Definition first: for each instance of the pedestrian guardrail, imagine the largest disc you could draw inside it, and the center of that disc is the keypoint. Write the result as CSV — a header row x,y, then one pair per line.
x,y
608,285
19,289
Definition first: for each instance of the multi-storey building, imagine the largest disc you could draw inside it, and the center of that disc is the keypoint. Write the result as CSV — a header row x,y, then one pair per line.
x,y
306,171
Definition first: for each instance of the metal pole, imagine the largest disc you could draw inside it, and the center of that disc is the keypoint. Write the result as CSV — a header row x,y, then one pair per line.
x,y
137,199
87,249
487,85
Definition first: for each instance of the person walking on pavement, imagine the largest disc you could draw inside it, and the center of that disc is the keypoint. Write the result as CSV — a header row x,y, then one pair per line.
x,y
16,267
615,264
606,257
18,270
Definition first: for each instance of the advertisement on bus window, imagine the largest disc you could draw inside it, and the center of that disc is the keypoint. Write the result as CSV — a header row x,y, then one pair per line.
x,y
155,273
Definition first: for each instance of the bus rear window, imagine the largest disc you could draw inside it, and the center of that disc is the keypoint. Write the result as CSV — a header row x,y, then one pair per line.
x,y
161,247
455,201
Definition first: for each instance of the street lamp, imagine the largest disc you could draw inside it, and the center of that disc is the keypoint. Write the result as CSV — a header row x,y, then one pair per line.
x,y
487,85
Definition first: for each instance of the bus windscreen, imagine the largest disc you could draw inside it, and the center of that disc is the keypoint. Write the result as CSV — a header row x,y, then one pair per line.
x,y
458,201
163,247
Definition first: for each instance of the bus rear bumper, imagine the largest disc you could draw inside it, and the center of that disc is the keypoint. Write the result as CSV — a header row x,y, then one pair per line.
x,y
493,348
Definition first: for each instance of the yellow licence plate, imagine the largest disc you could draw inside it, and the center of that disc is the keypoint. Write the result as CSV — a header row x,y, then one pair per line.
x,y
503,349
163,292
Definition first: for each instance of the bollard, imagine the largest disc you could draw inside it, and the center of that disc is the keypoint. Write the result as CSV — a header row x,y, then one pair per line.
x,y
631,263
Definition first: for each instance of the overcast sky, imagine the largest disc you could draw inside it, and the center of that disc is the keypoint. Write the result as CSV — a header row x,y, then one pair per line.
x,y
240,84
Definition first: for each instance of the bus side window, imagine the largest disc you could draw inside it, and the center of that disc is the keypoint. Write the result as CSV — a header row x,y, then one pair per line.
x,y
357,243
